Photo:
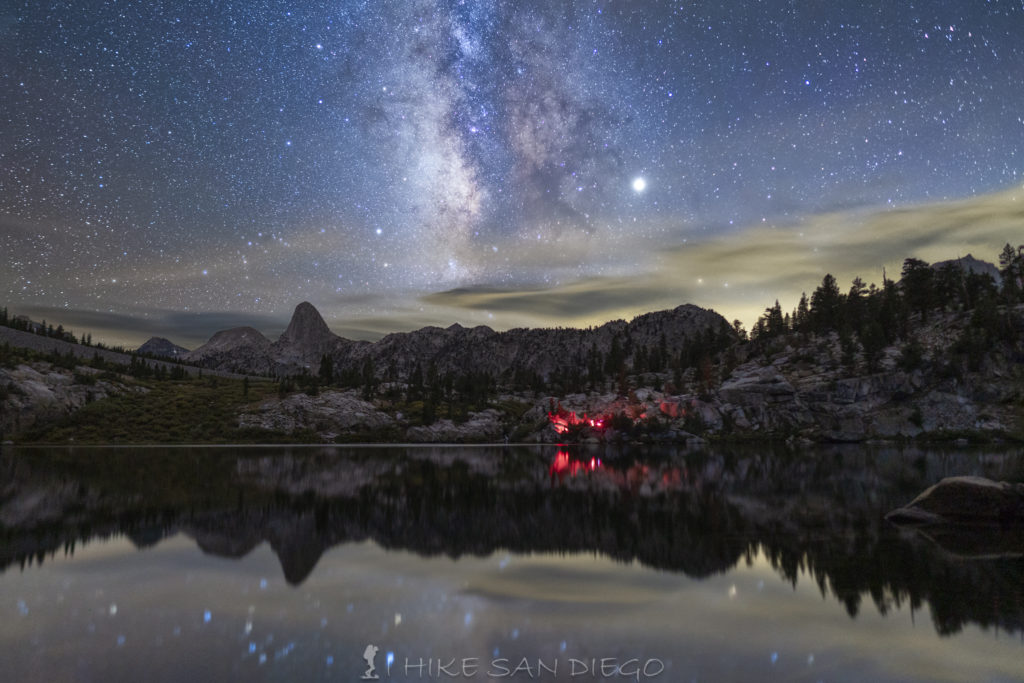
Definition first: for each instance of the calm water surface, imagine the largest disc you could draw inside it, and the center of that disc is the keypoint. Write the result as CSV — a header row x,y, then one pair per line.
x,y
497,564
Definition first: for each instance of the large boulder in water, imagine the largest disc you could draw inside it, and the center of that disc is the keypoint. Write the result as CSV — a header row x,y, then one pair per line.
x,y
964,500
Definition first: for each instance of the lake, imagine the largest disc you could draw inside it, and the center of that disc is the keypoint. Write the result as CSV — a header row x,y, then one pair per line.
x,y
490,563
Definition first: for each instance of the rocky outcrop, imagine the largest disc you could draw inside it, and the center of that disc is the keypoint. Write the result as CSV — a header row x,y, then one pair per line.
x,y
162,348
329,414
34,393
757,386
485,426
342,414
801,388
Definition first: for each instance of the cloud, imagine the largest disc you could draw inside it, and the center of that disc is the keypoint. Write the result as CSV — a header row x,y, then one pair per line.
x,y
372,328
589,300
738,275
741,274
764,263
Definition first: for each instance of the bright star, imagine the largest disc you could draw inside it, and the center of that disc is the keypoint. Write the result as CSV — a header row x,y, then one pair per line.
x,y
639,184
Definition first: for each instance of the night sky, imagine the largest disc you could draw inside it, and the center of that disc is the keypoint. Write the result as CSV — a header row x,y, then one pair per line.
x,y
175,168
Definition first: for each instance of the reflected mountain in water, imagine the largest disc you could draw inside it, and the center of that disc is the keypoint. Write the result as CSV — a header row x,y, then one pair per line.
x,y
817,515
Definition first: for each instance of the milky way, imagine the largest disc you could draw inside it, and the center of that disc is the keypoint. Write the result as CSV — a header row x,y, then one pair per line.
x,y
172,166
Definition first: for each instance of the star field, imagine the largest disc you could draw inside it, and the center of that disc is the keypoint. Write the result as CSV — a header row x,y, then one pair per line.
x,y
385,160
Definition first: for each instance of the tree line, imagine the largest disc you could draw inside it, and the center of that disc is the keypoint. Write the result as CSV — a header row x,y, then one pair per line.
x,y
872,317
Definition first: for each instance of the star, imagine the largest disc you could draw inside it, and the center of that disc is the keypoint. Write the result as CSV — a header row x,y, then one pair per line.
x,y
497,144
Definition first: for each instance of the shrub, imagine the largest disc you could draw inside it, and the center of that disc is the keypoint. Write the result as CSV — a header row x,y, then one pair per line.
x,y
916,418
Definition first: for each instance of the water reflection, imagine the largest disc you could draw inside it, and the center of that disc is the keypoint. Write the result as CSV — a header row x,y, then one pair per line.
x,y
701,513
564,464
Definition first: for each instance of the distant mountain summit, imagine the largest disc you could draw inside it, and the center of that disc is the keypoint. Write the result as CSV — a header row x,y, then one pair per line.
x,y
307,326
244,349
162,348
969,264
306,340
230,340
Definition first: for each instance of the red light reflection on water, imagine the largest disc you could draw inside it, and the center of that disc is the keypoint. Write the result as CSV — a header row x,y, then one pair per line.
x,y
564,464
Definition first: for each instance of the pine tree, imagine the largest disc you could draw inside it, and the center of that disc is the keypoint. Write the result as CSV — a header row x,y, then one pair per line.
x,y
775,322
919,286
369,377
326,372
616,357
855,307
826,305
1011,268
890,310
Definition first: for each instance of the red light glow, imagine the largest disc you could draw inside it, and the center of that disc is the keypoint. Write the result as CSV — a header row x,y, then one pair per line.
x,y
562,420
565,464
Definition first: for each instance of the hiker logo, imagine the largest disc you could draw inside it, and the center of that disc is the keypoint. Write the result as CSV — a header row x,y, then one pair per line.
x,y
369,654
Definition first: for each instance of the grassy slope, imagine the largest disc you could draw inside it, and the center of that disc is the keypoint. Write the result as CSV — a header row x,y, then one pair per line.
x,y
191,411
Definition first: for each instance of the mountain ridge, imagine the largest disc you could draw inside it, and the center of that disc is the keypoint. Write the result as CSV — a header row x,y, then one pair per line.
x,y
308,340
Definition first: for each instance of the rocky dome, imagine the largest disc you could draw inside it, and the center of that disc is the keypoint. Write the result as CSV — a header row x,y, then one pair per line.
x,y
240,349
163,348
306,326
306,340
229,340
